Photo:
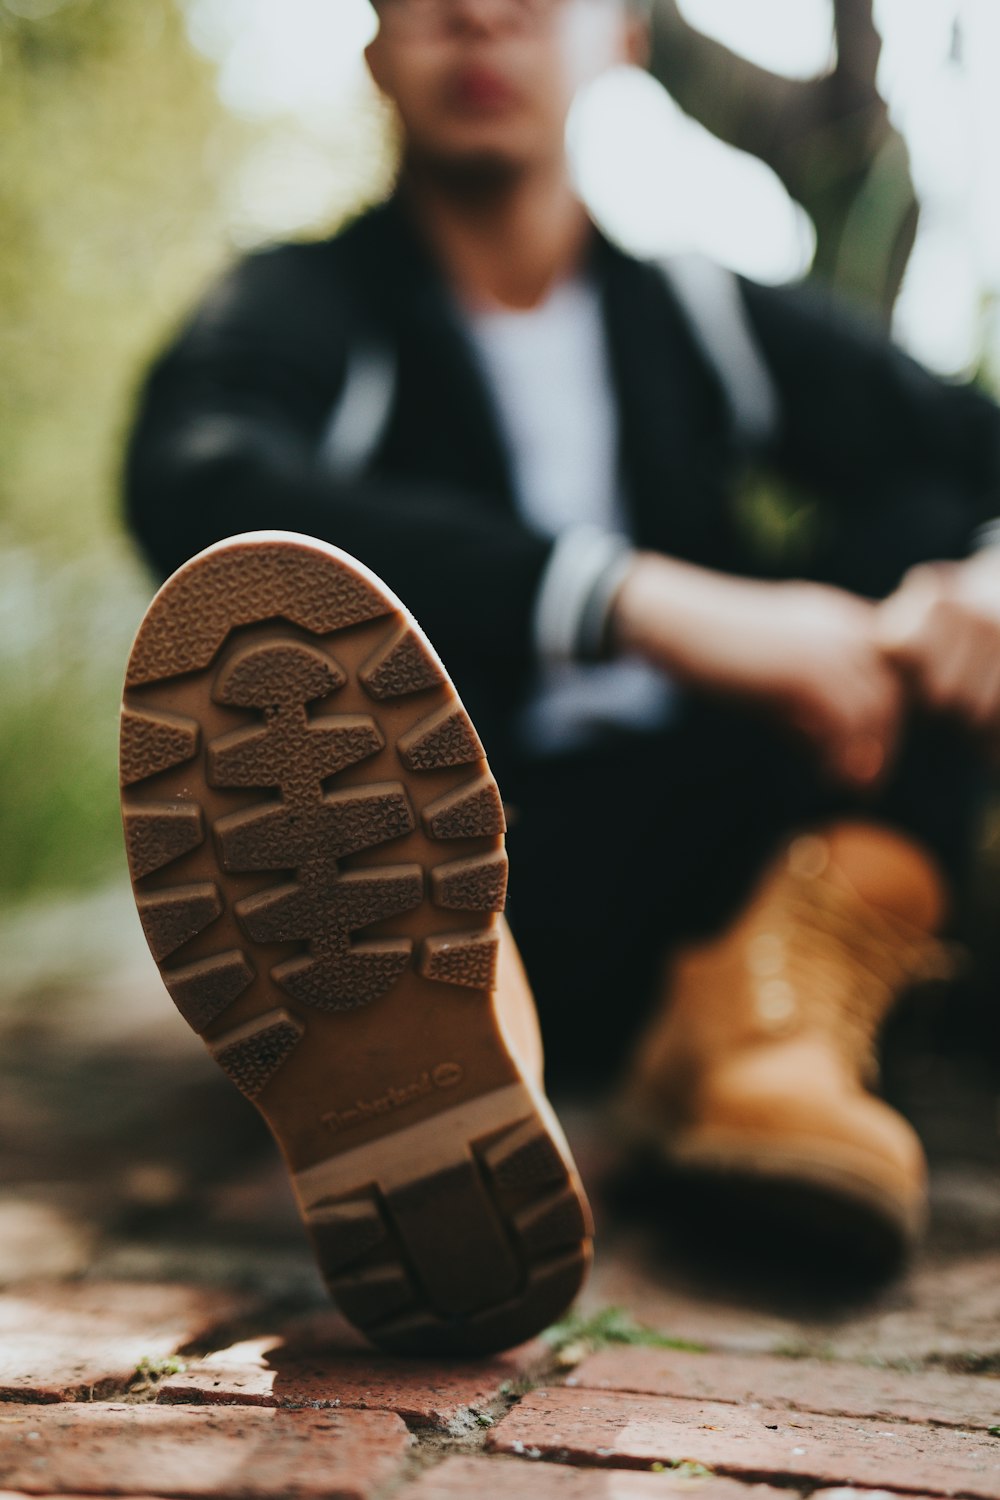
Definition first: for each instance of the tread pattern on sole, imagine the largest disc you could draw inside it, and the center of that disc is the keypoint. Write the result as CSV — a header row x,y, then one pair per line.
x,y
309,830
275,837
466,958
252,1054
524,1245
344,1232
551,1286
478,883
153,740
204,989
157,833
525,1157
552,1223
192,615
473,810
278,674
171,917
445,738
401,665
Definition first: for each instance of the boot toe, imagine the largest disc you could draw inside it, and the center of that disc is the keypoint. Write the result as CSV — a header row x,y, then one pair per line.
x,y
802,1156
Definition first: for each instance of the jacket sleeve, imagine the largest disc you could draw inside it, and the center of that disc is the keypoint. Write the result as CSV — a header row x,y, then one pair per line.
x,y
227,440
893,448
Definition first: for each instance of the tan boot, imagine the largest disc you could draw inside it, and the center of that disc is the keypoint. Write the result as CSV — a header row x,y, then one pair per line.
x,y
316,844
515,1008
756,1075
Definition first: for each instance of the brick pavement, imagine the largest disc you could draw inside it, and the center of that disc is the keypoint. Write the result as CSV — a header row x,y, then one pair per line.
x,y
162,1332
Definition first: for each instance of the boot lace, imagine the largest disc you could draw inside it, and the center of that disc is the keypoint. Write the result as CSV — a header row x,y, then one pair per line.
x,y
832,960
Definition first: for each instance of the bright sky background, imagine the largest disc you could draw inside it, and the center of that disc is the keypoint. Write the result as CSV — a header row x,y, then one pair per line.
x,y
656,179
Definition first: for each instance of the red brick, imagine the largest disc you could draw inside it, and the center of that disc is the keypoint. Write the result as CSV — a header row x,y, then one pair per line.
x,y
636,1431
821,1386
949,1310
300,1368
116,1449
513,1479
72,1341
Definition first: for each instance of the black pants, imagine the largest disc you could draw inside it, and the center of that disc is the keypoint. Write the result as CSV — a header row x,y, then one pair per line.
x,y
619,854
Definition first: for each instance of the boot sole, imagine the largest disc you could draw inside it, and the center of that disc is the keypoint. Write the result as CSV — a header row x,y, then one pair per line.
x,y
315,841
803,1195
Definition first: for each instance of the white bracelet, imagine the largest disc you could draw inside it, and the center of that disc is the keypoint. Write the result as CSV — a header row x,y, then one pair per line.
x,y
584,572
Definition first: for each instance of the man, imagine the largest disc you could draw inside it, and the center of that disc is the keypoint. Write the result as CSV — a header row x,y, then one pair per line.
x,y
740,794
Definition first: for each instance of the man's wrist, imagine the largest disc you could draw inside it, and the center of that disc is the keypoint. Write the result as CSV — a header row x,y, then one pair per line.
x,y
649,605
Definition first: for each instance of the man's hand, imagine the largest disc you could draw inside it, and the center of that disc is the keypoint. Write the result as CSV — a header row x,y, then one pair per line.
x,y
941,629
804,651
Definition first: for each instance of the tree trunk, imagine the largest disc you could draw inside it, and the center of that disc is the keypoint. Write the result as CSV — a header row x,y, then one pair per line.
x,y
829,139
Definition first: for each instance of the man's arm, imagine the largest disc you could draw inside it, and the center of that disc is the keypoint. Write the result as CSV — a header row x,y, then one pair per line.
x,y
228,439
928,456
804,652
906,460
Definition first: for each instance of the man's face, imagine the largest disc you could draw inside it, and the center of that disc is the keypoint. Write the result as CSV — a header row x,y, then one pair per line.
x,y
489,83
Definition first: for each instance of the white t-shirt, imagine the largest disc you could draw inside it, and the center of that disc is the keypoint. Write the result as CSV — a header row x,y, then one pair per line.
x,y
549,373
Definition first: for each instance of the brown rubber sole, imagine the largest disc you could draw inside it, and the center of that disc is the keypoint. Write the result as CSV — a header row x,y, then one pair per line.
x,y
316,845
805,1198
789,1197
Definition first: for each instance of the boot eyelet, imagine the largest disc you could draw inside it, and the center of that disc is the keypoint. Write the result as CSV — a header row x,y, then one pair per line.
x,y
766,955
776,1004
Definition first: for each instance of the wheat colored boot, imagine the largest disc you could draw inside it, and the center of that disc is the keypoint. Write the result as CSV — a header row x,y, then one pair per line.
x,y
515,1007
755,1080
316,845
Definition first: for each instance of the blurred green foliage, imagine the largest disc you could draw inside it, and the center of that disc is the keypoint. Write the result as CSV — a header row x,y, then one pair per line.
x,y
114,146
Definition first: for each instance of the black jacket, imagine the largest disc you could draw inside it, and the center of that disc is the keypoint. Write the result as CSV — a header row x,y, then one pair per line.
x,y
228,433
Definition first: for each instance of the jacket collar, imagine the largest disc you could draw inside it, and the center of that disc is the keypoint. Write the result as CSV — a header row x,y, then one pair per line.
x,y
657,374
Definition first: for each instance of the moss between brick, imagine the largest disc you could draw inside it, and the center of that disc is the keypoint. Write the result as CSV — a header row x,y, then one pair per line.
x,y
578,1336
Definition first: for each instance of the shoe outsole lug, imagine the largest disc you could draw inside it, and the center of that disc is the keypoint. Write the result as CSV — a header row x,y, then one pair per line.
x,y
174,915
346,980
204,989
269,676
246,758
274,836
251,1055
445,738
284,705
152,741
553,1282
461,958
473,810
402,665
367,1297
346,1232
157,833
478,883
524,1158
553,1224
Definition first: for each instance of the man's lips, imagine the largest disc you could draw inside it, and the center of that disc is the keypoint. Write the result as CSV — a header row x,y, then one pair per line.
x,y
482,90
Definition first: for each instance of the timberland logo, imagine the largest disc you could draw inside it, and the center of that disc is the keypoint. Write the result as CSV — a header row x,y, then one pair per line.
x,y
445,1076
